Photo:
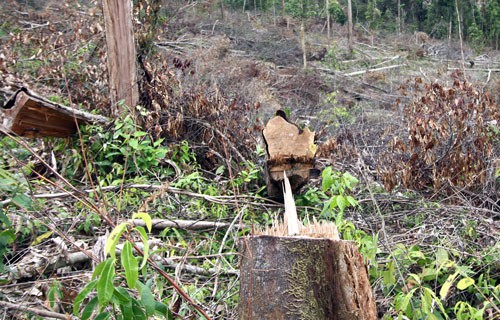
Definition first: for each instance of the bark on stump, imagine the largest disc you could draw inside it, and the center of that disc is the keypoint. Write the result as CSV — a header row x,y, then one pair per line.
x,y
303,278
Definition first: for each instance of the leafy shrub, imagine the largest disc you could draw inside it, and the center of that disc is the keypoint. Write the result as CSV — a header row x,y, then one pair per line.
x,y
452,134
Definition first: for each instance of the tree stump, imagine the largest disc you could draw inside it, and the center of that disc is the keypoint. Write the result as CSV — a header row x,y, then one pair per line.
x,y
303,278
289,149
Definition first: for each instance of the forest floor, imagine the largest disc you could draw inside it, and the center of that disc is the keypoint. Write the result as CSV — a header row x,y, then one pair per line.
x,y
214,81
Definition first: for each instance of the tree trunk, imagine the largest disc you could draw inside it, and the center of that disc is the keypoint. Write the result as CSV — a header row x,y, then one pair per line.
x,y
121,53
399,17
349,32
303,43
303,278
327,18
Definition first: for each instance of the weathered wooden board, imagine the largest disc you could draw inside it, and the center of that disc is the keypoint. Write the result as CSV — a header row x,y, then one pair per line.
x,y
28,114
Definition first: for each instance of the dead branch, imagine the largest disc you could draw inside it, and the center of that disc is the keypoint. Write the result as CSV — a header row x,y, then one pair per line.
x,y
252,200
356,73
39,312
185,224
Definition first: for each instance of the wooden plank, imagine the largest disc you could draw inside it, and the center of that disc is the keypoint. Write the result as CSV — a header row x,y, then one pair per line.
x,y
28,114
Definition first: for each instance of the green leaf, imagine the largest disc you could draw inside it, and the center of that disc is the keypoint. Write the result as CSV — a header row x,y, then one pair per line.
x,y
388,275
342,203
441,256
464,283
82,295
447,285
89,309
113,239
130,265
352,201
147,298
122,295
145,251
161,309
23,201
105,286
7,236
144,217
406,300
327,178
41,237
98,269
137,311
103,316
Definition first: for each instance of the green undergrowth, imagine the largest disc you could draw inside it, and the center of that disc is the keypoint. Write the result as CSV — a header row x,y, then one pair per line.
x,y
159,179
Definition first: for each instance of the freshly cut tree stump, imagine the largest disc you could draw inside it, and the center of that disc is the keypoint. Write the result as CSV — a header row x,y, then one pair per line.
x,y
289,149
303,278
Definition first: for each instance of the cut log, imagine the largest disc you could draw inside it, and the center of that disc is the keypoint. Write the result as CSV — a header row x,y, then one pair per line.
x,y
28,114
303,278
289,149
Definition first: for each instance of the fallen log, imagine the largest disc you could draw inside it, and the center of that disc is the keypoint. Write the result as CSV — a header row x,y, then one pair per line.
x,y
29,114
289,149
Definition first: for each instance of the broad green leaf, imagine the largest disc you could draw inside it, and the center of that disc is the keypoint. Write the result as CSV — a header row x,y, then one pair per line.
x,y
137,311
82,295
105,286
406,299
41,237
147,298
145,251
388,275
352,201
89,309
103,316
435,299
327,178
122,295
342,203
350,180
7,236
441,256
128,313
464,283
447,285
113,239
98,269
23,201
130,265
161,309
144,217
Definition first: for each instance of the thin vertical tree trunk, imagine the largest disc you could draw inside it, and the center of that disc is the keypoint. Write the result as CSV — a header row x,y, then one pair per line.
x,y
399,17
303,42
327,5
349,32
460,37
121,53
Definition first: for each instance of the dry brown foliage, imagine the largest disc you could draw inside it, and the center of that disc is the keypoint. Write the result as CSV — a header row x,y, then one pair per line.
x,y
452,141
